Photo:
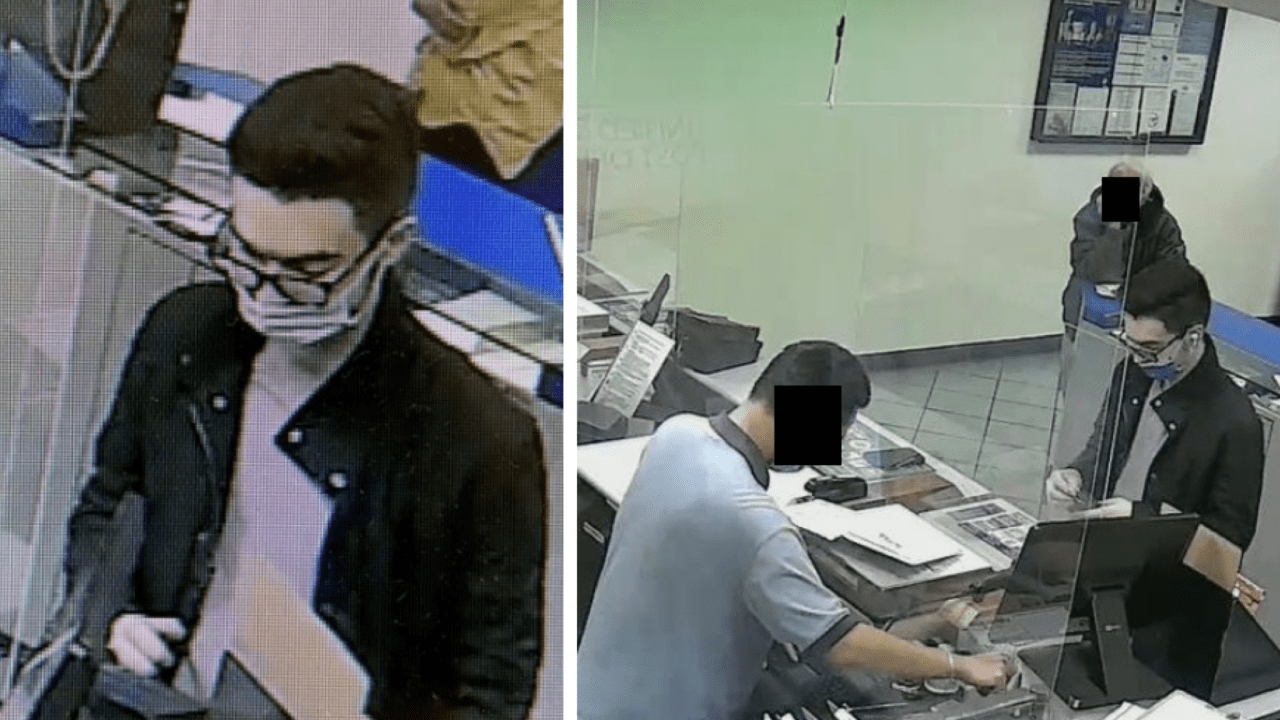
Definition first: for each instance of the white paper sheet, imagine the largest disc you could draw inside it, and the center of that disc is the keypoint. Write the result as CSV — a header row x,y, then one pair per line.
x,y
822,518
1189,69
638,362
1091,111
1186,105
1061,101
1122,117
899,533
1131,60
1155,111
212,116
1181,706
1159,61
1166,25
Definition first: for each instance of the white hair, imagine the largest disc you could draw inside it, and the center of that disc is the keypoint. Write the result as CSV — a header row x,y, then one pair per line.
x,y
1127,169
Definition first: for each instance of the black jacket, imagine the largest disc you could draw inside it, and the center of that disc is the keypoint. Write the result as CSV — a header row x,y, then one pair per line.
x,y
1101,254
431,567
1211,463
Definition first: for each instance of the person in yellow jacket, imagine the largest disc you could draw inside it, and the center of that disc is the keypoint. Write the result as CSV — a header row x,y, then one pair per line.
x,y
492,76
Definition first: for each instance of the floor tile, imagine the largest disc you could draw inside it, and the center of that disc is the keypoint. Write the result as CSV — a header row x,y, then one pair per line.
x,y
1005,411
953,425
951,450
910,377
1009,455
982,368
907,433
1009,483
1026,393
900,394
1036,370
1017,435
963,383
888,412
959,403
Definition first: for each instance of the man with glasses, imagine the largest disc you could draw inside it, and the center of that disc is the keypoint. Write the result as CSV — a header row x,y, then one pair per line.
x,y
297,416
1174,430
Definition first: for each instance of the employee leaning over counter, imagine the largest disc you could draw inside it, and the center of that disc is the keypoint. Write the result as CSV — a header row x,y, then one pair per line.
x,y
297,415
1174,428
705,571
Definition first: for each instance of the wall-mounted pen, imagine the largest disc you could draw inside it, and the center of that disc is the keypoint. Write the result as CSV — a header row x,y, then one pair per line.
x,y
835,67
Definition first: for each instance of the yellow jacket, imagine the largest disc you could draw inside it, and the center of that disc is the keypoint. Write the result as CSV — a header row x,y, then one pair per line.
x,y
496,66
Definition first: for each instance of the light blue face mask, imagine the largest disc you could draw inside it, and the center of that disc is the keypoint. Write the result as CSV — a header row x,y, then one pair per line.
x,y
1164,372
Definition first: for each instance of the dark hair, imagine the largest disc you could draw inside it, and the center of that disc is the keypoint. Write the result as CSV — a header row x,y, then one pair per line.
x,y
342,132
1172,291
816,362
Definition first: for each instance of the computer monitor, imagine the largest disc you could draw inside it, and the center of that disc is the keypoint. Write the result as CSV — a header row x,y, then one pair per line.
x,y
1092,577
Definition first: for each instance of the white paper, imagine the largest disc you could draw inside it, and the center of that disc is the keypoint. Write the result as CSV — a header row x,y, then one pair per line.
x,y
485,310
1091,111
1189,69
1181,706
1122,117
638,362
822,518
897,532
1131,60
1155,111
1062,100
1126,711
1159,60
211,116
1171,6
1186,106
1166,25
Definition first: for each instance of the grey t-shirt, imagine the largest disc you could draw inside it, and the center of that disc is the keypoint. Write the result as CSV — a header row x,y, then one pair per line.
x,y
704,571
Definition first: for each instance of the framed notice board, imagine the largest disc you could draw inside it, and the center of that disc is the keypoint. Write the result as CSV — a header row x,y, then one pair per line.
x,y
1127,71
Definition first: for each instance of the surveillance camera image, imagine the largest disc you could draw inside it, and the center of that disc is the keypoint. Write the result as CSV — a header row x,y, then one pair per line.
x,y
281,427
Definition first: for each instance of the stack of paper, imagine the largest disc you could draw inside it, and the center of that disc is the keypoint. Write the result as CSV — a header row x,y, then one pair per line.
x,y
890,530
1176,706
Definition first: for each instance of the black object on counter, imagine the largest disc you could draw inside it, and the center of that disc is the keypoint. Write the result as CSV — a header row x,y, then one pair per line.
x,y
711,343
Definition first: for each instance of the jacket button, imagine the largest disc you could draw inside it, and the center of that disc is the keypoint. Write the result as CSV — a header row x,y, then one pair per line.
x,y
327,609
1133,401
1172,426
220,402
337,480
202,538
185,359
293,437
1156,403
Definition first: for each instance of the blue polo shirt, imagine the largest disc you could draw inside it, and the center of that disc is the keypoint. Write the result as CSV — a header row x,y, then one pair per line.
x,y
704,571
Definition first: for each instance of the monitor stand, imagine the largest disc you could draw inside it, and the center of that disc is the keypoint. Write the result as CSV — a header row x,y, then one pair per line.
x,y
1088,675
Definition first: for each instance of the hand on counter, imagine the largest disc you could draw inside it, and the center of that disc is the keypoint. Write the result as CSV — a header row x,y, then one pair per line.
x,y
984,672
140,644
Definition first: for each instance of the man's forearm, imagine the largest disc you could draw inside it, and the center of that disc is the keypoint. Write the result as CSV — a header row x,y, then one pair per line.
x,y
872,650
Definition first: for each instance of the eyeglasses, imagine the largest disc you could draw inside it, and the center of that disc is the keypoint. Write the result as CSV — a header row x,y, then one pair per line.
x,y
1143,353
230,256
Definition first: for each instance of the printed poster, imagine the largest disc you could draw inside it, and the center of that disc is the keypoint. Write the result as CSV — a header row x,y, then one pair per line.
x,y
1155,111
1131,60
1137,17
1122,114
1091,111
1062,100
1086,43
1159,61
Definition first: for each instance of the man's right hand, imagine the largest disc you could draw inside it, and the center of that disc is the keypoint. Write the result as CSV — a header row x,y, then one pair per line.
x,y
985,672
140,643
1063,486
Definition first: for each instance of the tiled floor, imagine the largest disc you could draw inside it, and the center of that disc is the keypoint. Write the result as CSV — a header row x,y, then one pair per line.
x,y
991,420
